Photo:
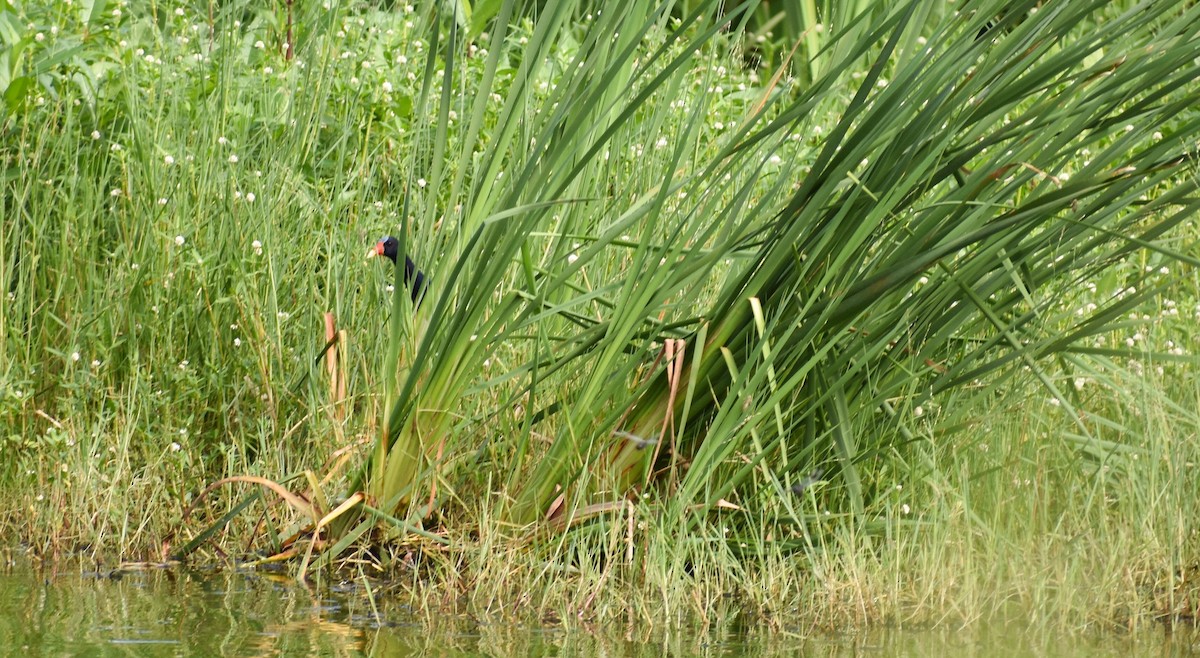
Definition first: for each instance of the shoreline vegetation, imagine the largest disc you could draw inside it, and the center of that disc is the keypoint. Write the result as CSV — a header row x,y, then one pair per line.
x,y
853,314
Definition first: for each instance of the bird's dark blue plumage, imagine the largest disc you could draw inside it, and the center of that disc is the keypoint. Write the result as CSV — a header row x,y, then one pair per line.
x,y
414,279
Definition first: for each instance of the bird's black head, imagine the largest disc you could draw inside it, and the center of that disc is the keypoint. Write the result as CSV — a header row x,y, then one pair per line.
x,y
387,246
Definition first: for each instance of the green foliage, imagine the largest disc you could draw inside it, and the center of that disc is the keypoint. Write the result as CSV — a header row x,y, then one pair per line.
x,y
46,47
866,266
936,169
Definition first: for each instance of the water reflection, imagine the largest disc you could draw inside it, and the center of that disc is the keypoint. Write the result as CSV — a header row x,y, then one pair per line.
x,y
175,613
167,613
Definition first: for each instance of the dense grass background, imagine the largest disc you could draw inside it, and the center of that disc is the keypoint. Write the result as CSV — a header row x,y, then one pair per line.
x,y
183,202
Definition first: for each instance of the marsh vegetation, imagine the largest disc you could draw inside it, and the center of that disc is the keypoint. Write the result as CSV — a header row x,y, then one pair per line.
x,y
875,311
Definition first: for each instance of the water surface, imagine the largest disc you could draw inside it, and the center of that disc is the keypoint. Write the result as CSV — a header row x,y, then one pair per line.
x,y
190,613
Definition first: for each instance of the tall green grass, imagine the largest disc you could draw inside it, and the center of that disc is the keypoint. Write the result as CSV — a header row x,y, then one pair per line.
x,y
879,270
904,257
